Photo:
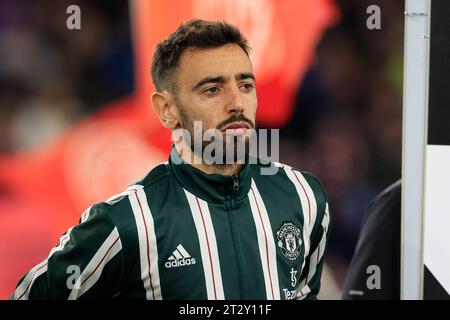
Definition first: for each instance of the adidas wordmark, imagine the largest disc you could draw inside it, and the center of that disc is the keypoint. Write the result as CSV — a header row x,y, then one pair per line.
x,y
179,258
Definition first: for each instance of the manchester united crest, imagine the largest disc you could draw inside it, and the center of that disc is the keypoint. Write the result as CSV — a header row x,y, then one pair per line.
x,y
289,240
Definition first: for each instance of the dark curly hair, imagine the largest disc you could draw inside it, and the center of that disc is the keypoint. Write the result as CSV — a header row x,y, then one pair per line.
x,y
192,34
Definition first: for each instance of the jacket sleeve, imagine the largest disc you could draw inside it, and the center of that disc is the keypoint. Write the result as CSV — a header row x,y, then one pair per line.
x,y
87,262
312,272
378,246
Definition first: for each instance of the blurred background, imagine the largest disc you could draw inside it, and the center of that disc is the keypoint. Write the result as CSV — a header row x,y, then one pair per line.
x,y
74,105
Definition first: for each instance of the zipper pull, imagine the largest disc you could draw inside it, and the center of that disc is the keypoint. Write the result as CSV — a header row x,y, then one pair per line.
x,y
236,182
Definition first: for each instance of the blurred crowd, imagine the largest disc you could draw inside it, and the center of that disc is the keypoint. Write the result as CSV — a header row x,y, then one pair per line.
x,y
70,73
346,128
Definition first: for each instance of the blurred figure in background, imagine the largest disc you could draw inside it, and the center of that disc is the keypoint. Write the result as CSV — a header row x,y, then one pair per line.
x,y
378,250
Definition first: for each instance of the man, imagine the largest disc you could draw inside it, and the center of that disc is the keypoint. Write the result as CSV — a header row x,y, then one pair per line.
x,y
374,273
192,228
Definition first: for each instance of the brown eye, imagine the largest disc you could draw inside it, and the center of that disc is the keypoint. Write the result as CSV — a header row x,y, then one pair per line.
x,y
247,87
212,91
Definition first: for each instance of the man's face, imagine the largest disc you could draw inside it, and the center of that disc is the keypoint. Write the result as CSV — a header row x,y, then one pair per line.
x,y
217,87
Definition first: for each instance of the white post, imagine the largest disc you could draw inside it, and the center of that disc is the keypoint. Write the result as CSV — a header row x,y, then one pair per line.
x,y
415,106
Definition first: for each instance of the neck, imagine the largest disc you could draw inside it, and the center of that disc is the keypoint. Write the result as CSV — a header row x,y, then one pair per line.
x,y
193,159
225,169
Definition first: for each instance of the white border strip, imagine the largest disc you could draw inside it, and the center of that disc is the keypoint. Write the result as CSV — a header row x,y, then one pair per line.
x,y
415,105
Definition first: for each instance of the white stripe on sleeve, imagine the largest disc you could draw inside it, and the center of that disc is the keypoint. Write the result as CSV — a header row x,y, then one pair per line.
x,y
92,272
23,290
317,255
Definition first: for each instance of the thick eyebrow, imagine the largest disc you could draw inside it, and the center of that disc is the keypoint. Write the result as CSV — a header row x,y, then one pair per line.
x,y
245,75
221,79
203,81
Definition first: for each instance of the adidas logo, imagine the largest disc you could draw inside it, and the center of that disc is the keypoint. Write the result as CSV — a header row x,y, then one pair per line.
x,y
179,258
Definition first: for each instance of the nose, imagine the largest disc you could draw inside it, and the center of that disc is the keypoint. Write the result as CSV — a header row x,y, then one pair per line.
x,y
234,101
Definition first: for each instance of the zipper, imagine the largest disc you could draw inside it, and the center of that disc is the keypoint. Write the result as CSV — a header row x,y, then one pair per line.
x,y
237,248
231,203
235,182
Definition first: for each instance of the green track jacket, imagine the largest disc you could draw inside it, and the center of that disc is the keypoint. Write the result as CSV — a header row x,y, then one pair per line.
x,y
183,234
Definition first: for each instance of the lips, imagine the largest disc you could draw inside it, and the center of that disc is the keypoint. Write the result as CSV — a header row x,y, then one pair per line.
x,y
236,128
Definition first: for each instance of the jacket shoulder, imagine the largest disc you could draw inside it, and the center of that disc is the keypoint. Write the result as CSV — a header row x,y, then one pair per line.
x,y
154,175
284,173
273,168
159,172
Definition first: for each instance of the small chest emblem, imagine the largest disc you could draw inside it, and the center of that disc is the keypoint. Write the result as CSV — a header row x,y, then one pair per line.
x,y
289,240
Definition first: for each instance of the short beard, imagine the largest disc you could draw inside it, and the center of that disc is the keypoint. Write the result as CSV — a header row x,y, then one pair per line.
x,y
229,141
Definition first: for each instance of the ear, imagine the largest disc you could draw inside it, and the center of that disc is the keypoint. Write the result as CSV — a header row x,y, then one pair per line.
x,y
165,107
